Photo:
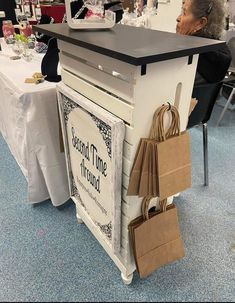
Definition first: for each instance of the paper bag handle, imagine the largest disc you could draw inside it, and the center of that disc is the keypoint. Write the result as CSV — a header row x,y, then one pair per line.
x,y
157,130
145,206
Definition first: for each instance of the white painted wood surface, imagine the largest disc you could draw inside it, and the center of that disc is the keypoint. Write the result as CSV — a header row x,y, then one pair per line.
x,y
166,81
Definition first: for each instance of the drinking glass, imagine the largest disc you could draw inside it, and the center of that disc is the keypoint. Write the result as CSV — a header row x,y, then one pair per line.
x,y
17,48
27,52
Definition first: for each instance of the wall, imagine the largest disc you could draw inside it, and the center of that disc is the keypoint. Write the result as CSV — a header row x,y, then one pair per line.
x,y
165,20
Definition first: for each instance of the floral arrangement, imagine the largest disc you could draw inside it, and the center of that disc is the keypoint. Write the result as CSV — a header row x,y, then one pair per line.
x,y
21,38
29,41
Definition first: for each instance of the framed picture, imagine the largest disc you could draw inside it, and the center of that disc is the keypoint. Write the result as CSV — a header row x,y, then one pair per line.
x,y
93,140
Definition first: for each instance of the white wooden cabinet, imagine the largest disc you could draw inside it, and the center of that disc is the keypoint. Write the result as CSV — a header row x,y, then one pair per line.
x,y
129,72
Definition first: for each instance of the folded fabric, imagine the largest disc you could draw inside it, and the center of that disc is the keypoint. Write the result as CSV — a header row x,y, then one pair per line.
x,y
41,47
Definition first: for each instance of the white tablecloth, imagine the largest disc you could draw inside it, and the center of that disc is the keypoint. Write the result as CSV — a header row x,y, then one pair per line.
x,y
29,124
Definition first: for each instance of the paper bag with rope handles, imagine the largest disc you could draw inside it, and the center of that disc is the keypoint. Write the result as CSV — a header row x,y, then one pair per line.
x,y
148,170
169,167
137,168
155,238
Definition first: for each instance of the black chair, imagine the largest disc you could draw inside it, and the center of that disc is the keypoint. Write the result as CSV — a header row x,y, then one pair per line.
x,y
228,88
206,94
228,92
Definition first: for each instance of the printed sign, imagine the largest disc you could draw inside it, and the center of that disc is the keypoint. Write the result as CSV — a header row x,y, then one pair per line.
x,y
94,151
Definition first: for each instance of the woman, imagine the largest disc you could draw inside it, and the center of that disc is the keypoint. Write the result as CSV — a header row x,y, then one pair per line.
x,y
205,18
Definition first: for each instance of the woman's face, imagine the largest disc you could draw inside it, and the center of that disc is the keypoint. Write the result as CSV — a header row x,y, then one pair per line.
x,y
187,24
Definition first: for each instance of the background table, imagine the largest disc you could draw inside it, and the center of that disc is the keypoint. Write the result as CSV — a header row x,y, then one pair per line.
x,y
29,123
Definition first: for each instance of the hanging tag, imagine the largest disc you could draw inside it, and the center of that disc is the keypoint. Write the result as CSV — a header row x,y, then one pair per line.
x,y
17,12
27,11
38,13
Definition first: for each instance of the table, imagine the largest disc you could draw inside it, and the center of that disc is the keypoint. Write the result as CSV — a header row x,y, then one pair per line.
x,y
29,124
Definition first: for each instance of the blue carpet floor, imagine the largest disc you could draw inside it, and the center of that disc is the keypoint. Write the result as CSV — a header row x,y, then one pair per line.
x,y
45,255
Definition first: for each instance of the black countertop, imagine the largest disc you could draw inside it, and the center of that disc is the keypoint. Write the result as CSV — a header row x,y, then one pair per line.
x,y
134,45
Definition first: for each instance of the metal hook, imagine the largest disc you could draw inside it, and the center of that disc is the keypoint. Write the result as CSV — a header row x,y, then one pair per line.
x,y
169,106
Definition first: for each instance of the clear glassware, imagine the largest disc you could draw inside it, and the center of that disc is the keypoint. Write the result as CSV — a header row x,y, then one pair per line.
x,y
17,48
8,31
31,42
27,52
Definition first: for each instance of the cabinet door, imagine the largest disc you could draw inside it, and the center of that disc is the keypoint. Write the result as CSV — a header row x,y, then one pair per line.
x,y
93,140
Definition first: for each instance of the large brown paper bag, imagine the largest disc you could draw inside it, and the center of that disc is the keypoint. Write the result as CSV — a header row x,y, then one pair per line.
x,y
174,165
156,238
171,154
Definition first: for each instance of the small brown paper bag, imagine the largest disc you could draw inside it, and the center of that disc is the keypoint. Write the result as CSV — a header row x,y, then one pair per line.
x,y
137,167
145,184
156,238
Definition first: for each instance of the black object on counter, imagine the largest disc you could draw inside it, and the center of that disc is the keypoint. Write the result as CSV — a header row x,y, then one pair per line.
x,y
45,19
50,62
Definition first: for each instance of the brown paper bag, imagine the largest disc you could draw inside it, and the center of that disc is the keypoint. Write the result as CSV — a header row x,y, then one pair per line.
x,y
139,173
174,165
171,153
133,188
145,184
156,238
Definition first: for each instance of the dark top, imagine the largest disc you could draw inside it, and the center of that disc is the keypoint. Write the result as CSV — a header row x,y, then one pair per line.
x,y
8,6
212,66
134,45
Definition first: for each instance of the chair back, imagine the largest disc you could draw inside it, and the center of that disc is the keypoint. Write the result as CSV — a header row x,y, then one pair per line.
x,y
231,46
226,91
206,95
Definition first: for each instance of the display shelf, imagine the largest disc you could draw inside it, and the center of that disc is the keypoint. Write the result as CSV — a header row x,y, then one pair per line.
x,y
129,72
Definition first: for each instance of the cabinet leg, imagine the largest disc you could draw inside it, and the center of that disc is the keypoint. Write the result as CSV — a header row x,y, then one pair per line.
x,y
80,221
127,279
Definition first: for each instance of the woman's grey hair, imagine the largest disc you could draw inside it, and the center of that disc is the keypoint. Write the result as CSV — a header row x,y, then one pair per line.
x,y
213,10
